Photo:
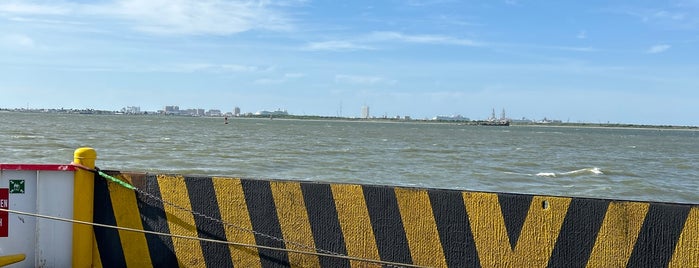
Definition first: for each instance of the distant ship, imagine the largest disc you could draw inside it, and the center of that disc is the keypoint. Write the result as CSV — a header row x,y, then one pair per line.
x,y
494,121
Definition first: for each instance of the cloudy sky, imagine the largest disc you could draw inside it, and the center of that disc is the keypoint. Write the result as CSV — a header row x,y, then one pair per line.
x,y
578,61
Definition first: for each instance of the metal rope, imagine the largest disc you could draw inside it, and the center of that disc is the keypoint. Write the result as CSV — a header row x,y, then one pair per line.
x,y
378,262
326,253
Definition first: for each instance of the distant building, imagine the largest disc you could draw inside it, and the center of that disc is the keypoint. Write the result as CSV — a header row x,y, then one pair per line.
x,y
214,112
365,112
172,110
192,112
549,121
131,110
277,112
523,120
236,111
457,117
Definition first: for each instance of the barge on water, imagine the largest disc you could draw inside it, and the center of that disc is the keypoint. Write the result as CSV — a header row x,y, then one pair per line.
x,y
493,123
503,121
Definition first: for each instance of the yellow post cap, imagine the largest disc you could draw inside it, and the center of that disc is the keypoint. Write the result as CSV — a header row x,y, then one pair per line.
x,y
85,156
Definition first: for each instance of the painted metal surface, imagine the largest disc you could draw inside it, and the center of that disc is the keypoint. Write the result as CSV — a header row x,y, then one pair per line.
x,y
4,215
82,205
427,227
42,189
37,167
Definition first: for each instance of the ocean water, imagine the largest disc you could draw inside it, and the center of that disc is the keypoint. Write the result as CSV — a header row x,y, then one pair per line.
x,y
624,163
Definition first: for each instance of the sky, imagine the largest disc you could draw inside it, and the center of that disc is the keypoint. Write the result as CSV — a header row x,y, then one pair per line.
x,y
577,61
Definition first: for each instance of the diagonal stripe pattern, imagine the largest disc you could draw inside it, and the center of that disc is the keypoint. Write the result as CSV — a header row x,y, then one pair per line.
x,y
424,227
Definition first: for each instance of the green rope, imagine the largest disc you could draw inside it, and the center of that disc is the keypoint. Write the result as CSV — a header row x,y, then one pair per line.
x,y
115,180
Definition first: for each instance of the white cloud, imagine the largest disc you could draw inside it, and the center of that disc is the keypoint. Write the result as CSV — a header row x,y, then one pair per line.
x,y
582,35
243,68
275,81
269,81
664,14
17,40
367,42
215,17
363,80
336,46
47,21
294,75
25,8
423,39
422,3
576,49
658,49
212,68
677,16
170,17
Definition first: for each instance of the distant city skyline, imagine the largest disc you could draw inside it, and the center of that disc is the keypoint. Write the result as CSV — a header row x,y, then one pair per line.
x,y
236,111
591,61
365,113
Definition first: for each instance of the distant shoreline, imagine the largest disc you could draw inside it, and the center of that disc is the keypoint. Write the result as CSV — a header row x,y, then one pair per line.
x,y
610,126
350,119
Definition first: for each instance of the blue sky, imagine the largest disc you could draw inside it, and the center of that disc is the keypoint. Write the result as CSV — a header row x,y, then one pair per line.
x,y
577,61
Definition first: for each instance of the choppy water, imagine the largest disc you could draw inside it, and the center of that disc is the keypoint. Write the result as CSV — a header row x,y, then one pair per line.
x,y
634,164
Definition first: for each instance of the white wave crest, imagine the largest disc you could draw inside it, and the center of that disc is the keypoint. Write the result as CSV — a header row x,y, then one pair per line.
x,y
593,170
578,172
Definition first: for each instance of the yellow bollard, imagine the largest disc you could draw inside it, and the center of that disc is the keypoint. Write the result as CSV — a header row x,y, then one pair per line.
x,y
83,207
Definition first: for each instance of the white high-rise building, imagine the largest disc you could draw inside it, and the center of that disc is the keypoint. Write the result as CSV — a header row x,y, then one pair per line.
x,y
365,112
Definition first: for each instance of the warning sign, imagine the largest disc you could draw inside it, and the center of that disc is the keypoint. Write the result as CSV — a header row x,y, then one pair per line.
x,y
16,186
4,215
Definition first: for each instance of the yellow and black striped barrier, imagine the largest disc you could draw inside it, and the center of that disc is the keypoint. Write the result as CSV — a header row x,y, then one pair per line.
x,y
423,227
